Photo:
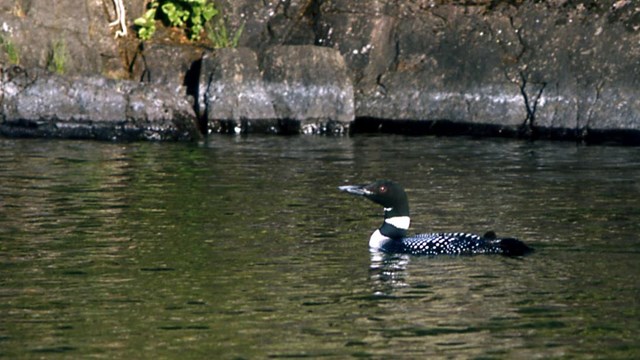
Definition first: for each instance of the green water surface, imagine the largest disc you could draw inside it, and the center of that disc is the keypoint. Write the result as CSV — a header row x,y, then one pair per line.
x,y
243,248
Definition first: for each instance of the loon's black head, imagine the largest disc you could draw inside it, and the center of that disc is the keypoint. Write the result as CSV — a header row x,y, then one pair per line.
x,y
396,209
384,192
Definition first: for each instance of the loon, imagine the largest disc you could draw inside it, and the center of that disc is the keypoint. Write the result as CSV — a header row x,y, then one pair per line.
x,y
392,237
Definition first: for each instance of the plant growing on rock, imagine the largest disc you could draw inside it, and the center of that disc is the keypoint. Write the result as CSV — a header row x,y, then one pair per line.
x,y
13,55
220,36
190,14
58,57
147,23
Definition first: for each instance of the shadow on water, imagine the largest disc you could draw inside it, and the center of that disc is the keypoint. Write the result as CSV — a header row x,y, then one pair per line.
x,y
243,248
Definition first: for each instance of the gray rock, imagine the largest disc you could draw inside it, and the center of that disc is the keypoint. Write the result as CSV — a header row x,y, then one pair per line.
x,y
446,76
40,104
152,64
529,71
310,87
560,69
232,95
366,42
271,23
303,89
580,72
79,27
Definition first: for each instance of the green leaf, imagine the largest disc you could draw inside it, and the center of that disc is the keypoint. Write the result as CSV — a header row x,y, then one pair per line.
x,y
208,12
147,18
173,13
236,37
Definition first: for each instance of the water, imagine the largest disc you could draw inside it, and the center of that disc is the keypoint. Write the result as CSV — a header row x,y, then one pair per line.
x,y
243,248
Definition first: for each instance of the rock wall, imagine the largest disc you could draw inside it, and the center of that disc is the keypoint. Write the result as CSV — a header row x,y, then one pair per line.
x,y
41,104
565,69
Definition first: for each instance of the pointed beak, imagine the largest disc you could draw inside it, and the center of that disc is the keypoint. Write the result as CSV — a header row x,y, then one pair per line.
x,y
354,189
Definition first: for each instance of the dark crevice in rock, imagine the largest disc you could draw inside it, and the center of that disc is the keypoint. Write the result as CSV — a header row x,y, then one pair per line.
x,y
145,75
583,130
518,31
381,88
312,12
528,129
137,64
192,84
395,61
323,32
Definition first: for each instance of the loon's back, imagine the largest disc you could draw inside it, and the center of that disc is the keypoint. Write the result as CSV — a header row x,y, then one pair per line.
x,y
455,244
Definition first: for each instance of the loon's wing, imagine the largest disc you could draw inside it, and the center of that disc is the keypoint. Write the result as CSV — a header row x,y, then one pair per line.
x,y
461,244
448,243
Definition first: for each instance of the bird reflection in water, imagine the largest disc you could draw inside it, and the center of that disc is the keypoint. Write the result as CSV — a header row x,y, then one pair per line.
x,y
388,272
